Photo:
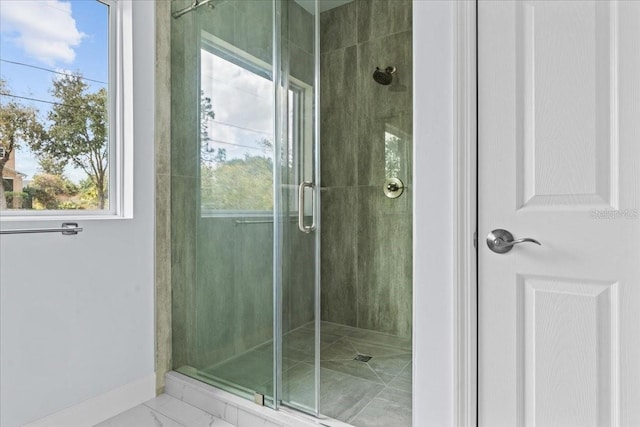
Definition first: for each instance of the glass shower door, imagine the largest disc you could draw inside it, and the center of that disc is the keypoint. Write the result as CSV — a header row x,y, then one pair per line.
x,y
244,237
223,156
298,211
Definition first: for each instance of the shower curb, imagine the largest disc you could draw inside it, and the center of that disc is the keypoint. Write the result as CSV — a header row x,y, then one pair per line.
x,y
236,410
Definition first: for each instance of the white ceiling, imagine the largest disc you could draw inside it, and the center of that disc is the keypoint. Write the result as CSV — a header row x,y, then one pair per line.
x,y
323,5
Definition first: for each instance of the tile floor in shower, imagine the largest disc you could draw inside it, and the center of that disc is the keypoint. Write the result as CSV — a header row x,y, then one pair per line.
x,y
364,394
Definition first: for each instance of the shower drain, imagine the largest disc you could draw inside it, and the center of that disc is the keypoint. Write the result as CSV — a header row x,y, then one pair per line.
x,y
362,358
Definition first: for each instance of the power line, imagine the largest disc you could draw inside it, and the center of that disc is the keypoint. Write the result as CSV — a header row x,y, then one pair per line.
x,y
41,100
234,144
242,128
51,71
56,8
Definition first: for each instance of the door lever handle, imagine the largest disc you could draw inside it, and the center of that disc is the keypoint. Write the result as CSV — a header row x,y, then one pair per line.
x,y
501,241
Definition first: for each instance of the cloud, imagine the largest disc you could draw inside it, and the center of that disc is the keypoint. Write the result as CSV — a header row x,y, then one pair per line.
x,y
243,106
44,29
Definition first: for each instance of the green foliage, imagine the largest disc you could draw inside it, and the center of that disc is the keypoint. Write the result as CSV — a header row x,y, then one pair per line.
x,y
51,165
27,203
88,193
20,197
18,124
238,184
78,133
392,160
208,154
69,205
206,114
47,190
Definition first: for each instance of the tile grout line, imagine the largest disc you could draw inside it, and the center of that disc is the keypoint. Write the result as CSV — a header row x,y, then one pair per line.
x,y
353,376
381,346
369,366
392,378
365,406
397,375
376,374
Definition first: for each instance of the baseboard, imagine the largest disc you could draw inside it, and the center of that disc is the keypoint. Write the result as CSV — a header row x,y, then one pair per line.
x,y
97,409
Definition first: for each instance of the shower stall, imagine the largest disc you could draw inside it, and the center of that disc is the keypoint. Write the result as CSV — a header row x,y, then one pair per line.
x,y
291,204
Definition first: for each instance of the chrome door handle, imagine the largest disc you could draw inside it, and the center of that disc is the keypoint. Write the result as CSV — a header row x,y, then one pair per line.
x,y
301,225
501,241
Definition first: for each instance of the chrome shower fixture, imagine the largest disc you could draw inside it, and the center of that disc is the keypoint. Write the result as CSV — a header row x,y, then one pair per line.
x,y
384,77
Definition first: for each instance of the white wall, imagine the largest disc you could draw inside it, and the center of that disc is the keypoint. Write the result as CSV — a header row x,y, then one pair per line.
x,y
434,73
77,312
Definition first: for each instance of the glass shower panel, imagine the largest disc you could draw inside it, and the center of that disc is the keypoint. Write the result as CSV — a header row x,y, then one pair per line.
x,y
223,108
245,275
299,210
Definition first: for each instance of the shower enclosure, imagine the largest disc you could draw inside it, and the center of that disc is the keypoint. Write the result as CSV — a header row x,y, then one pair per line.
x,y
291,200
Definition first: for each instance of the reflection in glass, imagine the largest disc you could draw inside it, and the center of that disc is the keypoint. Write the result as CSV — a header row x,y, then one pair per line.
x,y
396,142
236,135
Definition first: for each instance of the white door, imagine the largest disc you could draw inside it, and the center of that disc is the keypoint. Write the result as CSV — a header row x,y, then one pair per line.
x,y
559,161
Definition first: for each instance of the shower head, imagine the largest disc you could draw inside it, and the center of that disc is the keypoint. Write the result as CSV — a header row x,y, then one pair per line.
x,y
384,77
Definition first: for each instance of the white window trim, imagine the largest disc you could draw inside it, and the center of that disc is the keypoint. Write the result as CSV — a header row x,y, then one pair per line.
x,y
120,127
124,114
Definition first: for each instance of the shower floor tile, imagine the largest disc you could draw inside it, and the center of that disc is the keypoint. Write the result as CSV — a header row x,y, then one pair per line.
x,y
390,408
372,393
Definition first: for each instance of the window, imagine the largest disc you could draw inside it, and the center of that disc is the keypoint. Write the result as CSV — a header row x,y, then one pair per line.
x,y
236,132
57,107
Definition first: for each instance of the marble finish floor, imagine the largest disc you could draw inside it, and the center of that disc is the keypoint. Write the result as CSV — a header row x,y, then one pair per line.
x,y
165,411
364,394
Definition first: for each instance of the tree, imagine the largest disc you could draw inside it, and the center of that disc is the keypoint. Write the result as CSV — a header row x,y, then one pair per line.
x,y
47,190
238,184
392,159
208,154
78,131
18,124
50,165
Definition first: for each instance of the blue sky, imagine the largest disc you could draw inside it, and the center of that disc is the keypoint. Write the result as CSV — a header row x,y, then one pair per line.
x,y
62,36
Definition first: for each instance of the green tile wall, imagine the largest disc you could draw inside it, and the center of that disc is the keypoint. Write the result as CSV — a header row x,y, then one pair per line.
x,y
366,237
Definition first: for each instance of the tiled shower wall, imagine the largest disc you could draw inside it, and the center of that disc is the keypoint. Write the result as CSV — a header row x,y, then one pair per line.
x,y
366,237
222,293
